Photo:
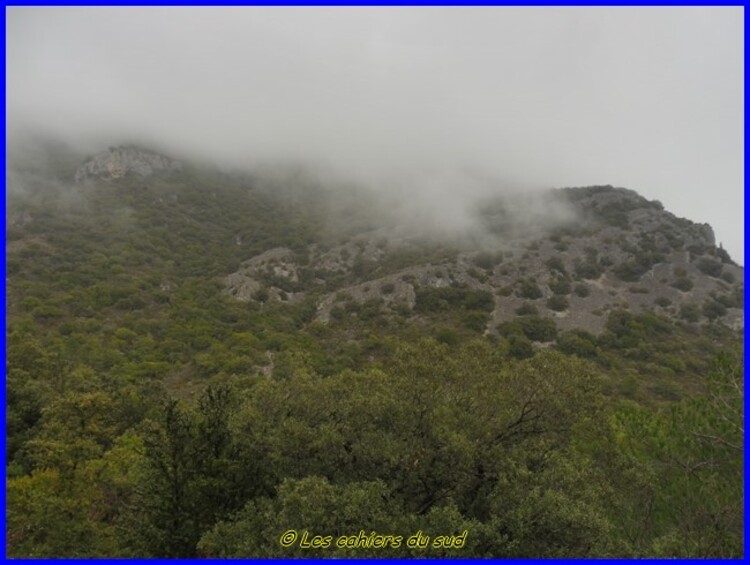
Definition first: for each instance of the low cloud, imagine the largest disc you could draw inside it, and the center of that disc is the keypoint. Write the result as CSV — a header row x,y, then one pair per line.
x,y
406,100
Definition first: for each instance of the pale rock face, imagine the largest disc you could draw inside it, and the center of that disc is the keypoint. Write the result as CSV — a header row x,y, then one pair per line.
x,y
118,162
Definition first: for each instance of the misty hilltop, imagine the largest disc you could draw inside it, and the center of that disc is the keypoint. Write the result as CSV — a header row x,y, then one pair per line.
x,y
568,255
565,259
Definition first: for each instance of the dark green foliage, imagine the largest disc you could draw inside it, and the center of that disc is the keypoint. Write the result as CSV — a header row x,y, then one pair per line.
x,y
606,261
529,289
616,213
534,328
644,257
582,290
734,300
630,271
195,472
728,277
713,309
447,298
723,256
555,264
526,309
520,346
710,267
663,301
557,303
638,290
505,291
588,269
690,312
684,284
447,336
561,286
579,343
688,463
261,295
475,320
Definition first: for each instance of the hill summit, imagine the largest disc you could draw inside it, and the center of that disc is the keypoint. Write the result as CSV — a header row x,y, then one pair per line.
x,y
119,161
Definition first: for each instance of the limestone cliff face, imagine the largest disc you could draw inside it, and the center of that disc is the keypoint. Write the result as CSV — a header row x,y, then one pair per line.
x,y
118,162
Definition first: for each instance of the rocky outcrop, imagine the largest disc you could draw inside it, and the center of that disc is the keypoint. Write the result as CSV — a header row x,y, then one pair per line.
x,y
117,162
621,252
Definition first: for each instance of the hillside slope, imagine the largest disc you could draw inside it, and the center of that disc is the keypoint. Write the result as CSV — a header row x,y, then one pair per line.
x,y
198,358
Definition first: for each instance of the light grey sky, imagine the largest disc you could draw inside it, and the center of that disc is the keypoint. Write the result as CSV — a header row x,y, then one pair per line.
x,y
646,98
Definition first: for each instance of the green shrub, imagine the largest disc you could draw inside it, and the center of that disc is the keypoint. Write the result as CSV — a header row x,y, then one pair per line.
x,y
474,320
555,264
560,286
638,290
538,329
588,269
446,335
578,342
582,290
442,299
558,303
533,328
727,277
520,346
684,284
709,267
261,295
387,288
713,309
690,312
505,291
529,290
526,309
630,271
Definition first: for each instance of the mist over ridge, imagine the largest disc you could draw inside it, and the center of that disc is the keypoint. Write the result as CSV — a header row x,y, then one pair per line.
x,y
405,100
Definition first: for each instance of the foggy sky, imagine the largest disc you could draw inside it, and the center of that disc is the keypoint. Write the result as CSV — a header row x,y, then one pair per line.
x,y
646,98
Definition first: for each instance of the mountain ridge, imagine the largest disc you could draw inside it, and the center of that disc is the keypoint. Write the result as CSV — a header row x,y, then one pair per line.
x,y
621,250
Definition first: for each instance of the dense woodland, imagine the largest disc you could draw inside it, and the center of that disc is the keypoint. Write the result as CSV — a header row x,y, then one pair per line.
x,y
150,414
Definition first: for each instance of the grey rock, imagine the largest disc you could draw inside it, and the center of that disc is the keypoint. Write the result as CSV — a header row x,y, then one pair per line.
x,y
118,162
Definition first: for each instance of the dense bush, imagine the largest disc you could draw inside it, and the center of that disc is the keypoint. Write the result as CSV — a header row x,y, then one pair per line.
x,y
527,308
588,269
579,343
710,267
560,286
529,289
555,264
557,303
532,327
684,284
447,298
713,309
663,301
690,312
582,290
